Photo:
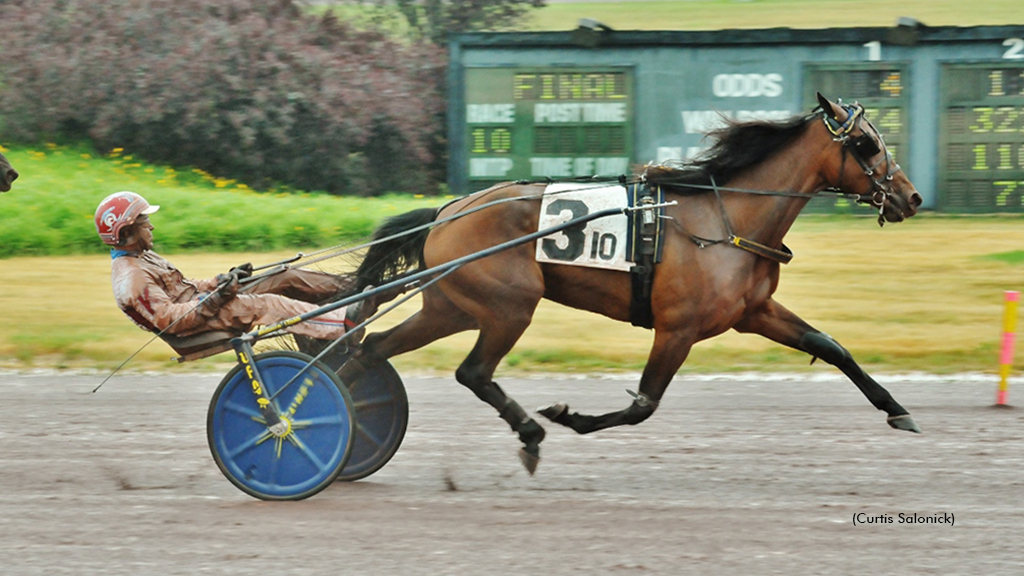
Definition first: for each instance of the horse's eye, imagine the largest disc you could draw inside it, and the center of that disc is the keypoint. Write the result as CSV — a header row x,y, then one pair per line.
x,y
865,146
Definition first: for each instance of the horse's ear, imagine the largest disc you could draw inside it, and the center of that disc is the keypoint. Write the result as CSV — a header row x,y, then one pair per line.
x,y
826,105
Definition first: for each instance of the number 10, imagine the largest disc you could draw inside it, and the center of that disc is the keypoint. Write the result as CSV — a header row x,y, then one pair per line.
x,y
603,245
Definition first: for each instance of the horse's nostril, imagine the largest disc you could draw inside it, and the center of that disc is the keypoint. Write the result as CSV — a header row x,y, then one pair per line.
x,y
915,200
12,175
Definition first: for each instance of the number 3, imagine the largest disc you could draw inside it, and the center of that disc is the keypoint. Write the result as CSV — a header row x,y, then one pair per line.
x,y
575,234
1016,51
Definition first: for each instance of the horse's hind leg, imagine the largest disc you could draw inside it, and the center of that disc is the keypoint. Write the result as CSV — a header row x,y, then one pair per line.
x,y
777,323
437,319
497,336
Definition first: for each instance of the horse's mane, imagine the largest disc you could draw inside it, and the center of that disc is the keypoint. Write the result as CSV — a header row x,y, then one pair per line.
x,y
738,146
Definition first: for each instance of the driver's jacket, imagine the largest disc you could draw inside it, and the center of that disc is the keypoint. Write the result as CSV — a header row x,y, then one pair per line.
x,y
157,296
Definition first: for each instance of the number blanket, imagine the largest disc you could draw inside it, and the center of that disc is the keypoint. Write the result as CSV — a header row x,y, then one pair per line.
x,y
599,243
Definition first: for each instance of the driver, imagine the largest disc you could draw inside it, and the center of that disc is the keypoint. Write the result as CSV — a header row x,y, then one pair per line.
x,y
157,297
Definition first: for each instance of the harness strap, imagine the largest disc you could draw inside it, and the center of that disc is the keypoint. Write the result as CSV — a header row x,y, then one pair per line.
x,y
782,256
644,244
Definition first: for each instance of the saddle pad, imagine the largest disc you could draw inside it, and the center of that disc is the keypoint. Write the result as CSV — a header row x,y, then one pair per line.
x,y
600,243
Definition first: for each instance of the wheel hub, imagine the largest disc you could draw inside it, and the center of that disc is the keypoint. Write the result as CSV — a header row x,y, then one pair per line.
x,y
282,428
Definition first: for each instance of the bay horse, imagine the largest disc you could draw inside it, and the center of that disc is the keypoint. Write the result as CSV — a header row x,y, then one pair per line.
x,y
700,289
7,174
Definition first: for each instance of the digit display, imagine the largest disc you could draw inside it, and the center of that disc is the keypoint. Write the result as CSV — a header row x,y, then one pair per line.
x,y
549,122
881,89
982,138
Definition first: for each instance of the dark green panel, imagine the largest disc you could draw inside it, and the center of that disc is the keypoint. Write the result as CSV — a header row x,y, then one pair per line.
x,y
677,85
883,91
981,134
547,122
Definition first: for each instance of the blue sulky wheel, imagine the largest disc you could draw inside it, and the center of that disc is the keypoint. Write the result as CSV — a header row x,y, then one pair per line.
x,y
317,441
382,414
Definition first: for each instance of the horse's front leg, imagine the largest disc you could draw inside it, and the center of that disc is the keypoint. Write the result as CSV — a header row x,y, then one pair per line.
x,y
667,355
775,322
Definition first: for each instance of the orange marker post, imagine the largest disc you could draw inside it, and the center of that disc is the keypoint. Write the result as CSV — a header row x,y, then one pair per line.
x,y
1012,297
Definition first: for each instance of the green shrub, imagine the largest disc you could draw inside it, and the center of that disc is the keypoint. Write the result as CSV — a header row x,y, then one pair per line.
x,y
51,209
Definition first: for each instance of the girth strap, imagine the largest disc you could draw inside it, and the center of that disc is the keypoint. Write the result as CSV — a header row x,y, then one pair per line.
x,y
645,241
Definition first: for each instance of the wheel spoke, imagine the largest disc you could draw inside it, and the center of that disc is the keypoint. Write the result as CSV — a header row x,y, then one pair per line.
x,y
244,409
274,466
353,386
317,463
376,441
331,420
268,383
252,442
374,401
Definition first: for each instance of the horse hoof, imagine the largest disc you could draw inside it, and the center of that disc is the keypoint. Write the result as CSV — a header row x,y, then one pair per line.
x,y
903,422
530,461
554,411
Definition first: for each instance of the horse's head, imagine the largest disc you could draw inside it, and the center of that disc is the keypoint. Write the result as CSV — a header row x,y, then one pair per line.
x,y
7,174
872,174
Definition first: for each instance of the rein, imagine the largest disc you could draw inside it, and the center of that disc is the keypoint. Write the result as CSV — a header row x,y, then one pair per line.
x,y
882,190
341,249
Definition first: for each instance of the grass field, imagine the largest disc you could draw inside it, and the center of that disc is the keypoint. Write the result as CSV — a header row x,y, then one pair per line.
x,y
51,209
723,14
922,295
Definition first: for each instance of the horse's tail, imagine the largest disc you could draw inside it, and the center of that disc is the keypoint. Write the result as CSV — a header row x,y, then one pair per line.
x,y
389,259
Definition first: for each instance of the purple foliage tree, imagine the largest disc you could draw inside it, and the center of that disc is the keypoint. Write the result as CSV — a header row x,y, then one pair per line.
x,y
250,89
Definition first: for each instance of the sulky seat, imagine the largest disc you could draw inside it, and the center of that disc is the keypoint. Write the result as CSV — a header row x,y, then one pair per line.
x,y
199,345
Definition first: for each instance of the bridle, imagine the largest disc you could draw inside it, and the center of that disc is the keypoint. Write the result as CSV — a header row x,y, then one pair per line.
x,y
863,148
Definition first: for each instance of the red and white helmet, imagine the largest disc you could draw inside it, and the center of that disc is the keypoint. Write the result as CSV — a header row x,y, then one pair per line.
x,y
118,211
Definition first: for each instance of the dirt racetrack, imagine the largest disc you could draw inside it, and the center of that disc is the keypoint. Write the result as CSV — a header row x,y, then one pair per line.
x,y
740,475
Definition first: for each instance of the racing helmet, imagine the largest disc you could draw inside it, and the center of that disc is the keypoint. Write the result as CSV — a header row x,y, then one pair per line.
x,y
118,211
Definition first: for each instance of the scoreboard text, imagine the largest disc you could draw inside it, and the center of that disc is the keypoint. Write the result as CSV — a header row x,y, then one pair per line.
x,y
982,138
557,122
